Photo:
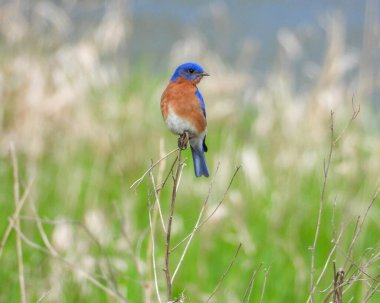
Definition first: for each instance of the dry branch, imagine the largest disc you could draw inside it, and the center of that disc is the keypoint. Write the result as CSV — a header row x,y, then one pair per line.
x,y
169,225
139,180
248,291
212,213
196,225
176,173
14,216
16,194
224,274
74,267
326,168
154,258
264,284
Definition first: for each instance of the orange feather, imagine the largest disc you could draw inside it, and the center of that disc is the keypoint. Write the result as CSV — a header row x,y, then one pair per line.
x,y
180,97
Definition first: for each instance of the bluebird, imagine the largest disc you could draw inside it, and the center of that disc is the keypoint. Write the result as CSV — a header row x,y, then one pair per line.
x,y
184,111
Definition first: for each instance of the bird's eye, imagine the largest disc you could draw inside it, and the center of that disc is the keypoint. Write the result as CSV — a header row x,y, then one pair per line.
x,y
191,70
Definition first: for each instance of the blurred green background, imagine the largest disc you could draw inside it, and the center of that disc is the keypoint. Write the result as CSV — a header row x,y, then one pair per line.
x,y
80,85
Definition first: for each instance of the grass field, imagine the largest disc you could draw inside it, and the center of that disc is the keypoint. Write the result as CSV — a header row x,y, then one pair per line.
x,y
83,132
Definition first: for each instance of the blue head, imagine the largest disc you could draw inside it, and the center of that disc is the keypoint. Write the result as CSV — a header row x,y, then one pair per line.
x,y
190,71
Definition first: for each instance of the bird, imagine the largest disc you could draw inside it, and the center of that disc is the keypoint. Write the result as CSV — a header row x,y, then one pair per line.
x,y
184,111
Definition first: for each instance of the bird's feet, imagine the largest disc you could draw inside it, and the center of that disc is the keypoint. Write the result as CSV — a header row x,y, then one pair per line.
x,y
183,140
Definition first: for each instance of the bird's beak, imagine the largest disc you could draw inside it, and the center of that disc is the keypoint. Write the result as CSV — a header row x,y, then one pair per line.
x,y
204,74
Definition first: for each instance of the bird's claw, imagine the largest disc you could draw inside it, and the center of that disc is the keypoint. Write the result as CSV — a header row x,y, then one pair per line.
x,y
183,140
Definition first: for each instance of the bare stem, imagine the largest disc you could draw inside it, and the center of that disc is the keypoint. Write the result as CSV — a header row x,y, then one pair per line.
x,y
15,214
157,202
338,281
169,226
74,267
264,284
326,168
130,249
154,257
248,291
212,213
16,194
224,274
139,180
359,226
195,227
330,256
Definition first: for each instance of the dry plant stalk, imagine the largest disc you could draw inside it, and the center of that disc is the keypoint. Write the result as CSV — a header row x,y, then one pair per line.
x,y
326,168
14,224
182,144
342,278
176,172
224,274
15,215
72,266
138,181
16,194
248,291
264,284
338,285
154,257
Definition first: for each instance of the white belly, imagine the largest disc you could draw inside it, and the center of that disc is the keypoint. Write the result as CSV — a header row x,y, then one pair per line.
x,y
178,125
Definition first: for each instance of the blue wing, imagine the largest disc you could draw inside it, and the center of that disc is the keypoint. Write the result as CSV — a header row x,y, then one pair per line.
x,y
203,105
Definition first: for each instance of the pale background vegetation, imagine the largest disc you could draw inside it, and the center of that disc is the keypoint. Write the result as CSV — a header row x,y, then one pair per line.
x,y
83,116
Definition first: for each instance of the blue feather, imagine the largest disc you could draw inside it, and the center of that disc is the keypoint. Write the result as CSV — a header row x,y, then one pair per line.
x,y
203,105
200,165
190,71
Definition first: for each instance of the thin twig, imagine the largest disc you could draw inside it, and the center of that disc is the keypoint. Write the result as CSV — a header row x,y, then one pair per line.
x,y
154,257
161,166
42,231
333,142
248,291
52,250
352,244
355,113
150,252
43,296
15,214
161,186
72,266
224,274
196,225
321,201
212,213
139,180
128,240
359,227
326,299
169,226
264,284
348,256
338,281
16,194
157,201
361,270
372,291
328,260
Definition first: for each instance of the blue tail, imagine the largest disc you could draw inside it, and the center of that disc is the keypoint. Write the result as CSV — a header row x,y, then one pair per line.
x,y
200,166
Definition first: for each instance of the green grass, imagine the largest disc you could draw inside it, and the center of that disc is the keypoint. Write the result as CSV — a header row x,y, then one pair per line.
x,y
275,221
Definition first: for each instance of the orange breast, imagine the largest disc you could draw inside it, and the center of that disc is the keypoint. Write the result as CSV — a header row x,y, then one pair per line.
x,y
180,97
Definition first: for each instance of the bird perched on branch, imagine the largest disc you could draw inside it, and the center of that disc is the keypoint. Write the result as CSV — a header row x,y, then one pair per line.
x,y
184,112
